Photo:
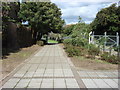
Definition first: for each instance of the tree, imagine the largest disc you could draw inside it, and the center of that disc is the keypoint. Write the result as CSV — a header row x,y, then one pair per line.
x,y
67,30
107,20
80,20
9,15
43,17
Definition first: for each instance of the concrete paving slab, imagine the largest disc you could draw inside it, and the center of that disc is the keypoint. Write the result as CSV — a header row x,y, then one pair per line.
x,y
38,74
49,71
116,80
57,66
40,71
47,85
101,74
13,80
36,80
35,86
110,74
58,74
35,83
71,83
48,75
111,83
23,83
100,83
42,66
29,74
19,75
90,83
83,74
116,73
92,74
59,83
9,85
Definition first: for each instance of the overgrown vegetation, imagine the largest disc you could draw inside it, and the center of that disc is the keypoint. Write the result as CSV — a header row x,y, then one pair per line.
x,y
77,44
109,58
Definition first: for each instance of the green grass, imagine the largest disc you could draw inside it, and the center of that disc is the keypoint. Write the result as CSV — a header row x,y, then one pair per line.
x,y
52,41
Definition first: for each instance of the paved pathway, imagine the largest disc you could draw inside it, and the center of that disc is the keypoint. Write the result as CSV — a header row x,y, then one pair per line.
x,y
51,68
100,79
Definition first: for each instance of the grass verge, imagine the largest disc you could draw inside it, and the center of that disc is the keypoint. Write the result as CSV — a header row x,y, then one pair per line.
x,y
14,59
81,62
52,41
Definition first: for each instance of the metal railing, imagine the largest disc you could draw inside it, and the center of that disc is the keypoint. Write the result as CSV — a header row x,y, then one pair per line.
x,y
105,42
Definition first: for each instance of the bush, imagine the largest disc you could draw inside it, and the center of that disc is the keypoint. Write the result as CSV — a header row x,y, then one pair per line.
x,y
93,50
44,41
67,41
40,43
81,42
72,50
117,48
105,56
60,40
109,58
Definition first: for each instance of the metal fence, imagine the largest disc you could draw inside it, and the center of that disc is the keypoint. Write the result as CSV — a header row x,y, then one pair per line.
x,y
107,43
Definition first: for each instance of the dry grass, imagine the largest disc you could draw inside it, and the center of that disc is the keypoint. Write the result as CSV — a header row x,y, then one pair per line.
x,y
92,64
14,59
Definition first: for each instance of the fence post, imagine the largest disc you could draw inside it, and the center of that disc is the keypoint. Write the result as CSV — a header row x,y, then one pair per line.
x,y
90,37
118,45
93,38
105,35
117,39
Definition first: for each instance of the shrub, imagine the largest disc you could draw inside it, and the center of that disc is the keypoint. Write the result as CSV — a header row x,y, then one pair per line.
x,y
81,42
72,50
40,43
93,50
44,41
117,48
109,58
60,40
105,56
67,41
113,59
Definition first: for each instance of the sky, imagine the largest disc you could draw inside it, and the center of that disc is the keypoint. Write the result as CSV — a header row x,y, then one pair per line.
x,y
86,9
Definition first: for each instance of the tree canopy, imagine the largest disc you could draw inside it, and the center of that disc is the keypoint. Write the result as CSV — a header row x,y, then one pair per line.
x,y
107,20
43,17
9,13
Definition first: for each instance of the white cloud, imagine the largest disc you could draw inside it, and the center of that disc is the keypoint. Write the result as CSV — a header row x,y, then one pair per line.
x,y
97,1
87,22
71,22
87,10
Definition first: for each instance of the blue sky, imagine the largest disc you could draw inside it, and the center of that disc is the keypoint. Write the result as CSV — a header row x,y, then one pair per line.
x,y
71,9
